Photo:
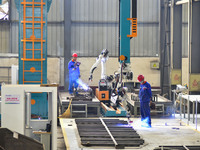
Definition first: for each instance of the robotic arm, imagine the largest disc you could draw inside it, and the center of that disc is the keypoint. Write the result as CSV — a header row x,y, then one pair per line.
x,y
102,58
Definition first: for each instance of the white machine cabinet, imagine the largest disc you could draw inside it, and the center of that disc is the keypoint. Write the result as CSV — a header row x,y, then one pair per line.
x,y
16,113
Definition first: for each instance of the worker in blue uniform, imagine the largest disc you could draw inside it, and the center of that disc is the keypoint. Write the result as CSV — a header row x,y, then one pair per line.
x,y
145,96
74,73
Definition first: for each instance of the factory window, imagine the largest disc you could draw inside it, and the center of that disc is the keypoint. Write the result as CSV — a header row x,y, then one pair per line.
x,y
4,10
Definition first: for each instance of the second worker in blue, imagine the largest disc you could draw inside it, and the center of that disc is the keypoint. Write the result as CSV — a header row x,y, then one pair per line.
x,y
145,95
74,73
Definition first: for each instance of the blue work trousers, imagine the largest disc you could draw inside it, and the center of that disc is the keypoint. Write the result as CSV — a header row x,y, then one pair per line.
x,y
145,112
72,84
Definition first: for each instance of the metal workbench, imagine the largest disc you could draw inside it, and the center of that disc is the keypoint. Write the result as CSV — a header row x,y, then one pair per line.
x,y
86,108
195,99
134,104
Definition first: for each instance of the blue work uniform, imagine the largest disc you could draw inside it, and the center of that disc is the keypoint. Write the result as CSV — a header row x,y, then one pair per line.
x,y
74,74
145,95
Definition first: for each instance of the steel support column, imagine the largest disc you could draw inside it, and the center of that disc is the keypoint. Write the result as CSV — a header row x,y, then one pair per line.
x,y
125,29
194,46
67,40
165,48
176,44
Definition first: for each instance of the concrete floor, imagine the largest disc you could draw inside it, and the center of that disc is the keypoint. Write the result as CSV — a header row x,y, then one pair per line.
x,y
60,139
164,131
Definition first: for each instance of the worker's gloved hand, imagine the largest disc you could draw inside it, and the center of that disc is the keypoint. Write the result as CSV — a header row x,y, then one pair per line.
x,y
90,78
152,105
78,63
144,88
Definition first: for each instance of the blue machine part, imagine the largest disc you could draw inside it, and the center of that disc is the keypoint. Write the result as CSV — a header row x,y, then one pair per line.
x,y
124,29
33,64
112,113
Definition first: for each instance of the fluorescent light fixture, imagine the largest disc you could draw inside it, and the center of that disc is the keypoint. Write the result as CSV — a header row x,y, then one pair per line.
x,y
182,2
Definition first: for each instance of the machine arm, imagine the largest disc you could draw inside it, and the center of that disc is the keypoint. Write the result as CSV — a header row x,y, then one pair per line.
x,y
103,55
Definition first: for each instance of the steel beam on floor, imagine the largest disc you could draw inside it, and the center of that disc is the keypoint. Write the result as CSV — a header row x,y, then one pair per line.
x,y
107,132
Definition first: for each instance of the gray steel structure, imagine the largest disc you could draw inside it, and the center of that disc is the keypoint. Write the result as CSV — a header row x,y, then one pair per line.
x,y
176,42
165,55
176,35
94,27
67,39
194,42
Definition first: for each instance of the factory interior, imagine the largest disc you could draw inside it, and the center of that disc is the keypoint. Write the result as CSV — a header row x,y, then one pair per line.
x,y
99,74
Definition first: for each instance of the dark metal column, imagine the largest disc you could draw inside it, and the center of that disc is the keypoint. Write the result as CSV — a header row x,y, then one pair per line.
x,y
67,40
194,46
176,44
165,48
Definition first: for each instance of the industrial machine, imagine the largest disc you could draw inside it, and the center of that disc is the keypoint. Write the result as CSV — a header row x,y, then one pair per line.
x,y
16,113
102,92
36,106
111,94
33,50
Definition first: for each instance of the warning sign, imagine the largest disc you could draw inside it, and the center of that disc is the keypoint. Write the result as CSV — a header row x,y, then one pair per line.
x,y
12,99
194,82
176,76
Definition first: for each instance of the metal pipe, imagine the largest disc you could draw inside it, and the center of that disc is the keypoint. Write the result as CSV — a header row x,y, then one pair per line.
x,y
180,106
196,115
28,109
189,40
174,102
182,2
188,109
108,131
172,34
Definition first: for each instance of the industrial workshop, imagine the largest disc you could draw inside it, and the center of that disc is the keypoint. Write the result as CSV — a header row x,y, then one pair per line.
x,y
99,74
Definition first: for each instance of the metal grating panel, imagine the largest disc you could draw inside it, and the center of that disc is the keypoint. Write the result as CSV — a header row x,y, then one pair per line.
x,y
93,132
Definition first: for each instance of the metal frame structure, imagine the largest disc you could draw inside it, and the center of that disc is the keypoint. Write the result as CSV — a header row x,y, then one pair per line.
x,y
33,49
67,39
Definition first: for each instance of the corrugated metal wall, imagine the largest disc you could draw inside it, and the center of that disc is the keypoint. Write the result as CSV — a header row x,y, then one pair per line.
x,y
94,27
4,36
14,31
55,43
147,41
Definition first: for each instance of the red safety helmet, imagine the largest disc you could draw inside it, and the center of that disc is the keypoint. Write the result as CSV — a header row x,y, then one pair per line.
x,y
140,78
74,55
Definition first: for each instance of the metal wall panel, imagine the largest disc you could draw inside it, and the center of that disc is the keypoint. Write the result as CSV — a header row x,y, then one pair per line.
x,y
55,40
94,26
4,37
56,11
185,31
147,41
14,48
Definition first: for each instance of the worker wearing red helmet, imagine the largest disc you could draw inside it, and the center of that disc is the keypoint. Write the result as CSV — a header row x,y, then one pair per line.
x,y
74,73
145,95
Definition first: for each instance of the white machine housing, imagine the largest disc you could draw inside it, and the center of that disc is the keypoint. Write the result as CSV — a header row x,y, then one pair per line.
x,y
16,113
